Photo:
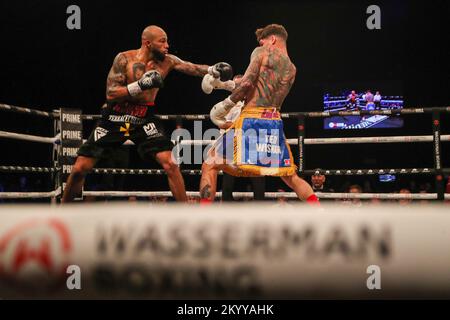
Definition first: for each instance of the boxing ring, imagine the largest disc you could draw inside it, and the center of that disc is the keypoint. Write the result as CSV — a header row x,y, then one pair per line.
x,y
60,169
131,250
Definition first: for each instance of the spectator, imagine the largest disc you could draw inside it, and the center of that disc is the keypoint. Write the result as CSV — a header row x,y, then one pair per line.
x,y
404,202
318,180
282,200
355,188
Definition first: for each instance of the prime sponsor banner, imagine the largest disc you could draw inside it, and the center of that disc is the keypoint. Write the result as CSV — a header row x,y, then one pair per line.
x,y
121,251
71,140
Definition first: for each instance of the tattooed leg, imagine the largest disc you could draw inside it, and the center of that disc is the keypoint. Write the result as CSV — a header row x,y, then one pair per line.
x,y
208,182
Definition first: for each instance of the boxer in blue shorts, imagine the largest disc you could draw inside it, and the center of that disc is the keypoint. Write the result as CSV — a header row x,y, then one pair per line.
x,y
255,144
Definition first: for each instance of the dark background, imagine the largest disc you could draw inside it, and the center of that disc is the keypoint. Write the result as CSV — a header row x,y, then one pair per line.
x,y
45,66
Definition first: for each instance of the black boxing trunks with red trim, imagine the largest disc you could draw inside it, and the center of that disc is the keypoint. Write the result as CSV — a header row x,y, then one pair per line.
x,y
127,121
128,112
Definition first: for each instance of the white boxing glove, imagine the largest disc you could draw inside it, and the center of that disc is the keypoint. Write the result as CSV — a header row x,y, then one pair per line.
x,y
209,83
219,111
227,85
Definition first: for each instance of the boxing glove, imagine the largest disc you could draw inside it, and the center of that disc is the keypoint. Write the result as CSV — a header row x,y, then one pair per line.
x,y
219,112
209,83
150,79
221,70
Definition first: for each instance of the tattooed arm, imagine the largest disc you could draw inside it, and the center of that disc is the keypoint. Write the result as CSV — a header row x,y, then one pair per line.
x,y
189,68
250,76
116,84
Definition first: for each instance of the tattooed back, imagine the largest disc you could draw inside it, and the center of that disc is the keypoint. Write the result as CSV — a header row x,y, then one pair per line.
x,y
274,74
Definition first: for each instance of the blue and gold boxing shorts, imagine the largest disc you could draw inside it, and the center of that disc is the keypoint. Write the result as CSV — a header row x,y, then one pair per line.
x,y
255,145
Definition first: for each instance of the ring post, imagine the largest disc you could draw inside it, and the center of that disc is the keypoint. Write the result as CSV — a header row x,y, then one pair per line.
x,y
178,125
437,153
301,142
56,176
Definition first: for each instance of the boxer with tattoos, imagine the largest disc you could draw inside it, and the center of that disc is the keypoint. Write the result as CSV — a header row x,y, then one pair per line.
x,y
255,144
129,113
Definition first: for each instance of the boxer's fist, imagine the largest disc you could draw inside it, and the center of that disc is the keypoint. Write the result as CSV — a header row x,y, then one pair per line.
x,y
221,70
219,111
209,83
149,80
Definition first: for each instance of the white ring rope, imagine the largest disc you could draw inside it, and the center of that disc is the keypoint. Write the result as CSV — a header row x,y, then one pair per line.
x,y
392,139
294,141
26,137
30,195
349,140
290,195
237,195
16,109
412,110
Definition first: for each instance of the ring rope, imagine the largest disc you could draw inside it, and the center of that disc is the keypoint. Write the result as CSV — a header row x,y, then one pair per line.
x,y
16,109
356,172
144,171
389,139
28,169
414,110
293,141
291,195
349,140
27,137
30,195
290,115
127,171
340,172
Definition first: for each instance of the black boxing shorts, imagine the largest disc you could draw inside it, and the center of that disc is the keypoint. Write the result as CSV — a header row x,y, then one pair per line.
x,y
126,121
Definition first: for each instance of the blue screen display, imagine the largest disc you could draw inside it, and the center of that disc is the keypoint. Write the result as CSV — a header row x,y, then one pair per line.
x,y
353,100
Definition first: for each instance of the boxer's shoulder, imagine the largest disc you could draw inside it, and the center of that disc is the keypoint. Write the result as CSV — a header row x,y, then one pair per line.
x,y
122,59
127,56
259,52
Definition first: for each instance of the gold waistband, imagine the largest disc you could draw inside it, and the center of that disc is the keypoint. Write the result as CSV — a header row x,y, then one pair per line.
x,y
261,112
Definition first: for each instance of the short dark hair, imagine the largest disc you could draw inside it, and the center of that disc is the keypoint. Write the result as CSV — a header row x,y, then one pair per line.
x,y
271,29
355,186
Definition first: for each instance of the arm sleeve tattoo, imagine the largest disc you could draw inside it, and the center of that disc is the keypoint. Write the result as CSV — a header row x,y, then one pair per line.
x,y
189,68
117,76
250,76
